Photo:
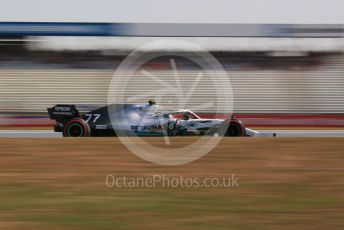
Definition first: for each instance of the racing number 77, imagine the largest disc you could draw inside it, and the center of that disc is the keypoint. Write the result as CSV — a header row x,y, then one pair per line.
x,y
93,117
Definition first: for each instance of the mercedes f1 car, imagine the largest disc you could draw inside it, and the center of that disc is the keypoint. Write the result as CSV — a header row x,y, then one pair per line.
x,y
142,120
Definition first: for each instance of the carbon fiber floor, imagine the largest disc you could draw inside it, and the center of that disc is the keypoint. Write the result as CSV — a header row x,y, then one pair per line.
x,y
279,133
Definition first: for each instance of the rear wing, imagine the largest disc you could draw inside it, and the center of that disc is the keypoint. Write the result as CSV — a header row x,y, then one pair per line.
x,y
63,112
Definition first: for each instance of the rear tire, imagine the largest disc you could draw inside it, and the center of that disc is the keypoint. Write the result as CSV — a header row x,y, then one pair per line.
x,y
76,127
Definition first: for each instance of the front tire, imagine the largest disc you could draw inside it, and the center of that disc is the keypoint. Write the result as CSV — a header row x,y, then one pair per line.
x,y
233,128
76,127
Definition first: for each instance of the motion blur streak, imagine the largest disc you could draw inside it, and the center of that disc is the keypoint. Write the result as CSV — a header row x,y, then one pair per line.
x,y
280,70
258,88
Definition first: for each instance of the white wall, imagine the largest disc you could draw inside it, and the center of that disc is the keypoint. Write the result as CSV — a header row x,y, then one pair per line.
x,y
212,44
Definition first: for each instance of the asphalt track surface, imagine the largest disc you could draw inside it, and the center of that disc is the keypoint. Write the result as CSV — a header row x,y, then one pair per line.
x,y
279,133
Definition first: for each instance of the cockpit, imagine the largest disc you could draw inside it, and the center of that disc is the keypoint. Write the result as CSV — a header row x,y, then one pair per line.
x,y
185,115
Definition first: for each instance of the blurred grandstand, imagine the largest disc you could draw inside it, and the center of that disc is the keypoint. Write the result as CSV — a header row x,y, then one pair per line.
x,y
290,81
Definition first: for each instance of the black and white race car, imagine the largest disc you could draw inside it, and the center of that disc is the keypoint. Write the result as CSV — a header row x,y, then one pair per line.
x,y
142,120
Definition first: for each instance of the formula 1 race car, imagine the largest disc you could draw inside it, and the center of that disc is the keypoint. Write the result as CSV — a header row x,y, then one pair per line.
x,y
142,120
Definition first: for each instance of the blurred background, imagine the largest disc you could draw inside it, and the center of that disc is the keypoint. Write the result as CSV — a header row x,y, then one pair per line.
x,y
281,75
286,67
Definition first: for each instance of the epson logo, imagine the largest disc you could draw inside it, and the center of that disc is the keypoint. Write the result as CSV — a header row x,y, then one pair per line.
x,y
62,109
